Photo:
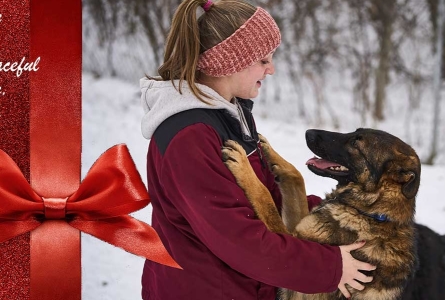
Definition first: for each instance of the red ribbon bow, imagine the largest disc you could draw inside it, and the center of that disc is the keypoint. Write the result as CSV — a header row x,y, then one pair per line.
x,y
111,190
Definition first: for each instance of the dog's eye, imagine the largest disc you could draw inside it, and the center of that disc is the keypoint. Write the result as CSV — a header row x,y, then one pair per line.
x,y
355,140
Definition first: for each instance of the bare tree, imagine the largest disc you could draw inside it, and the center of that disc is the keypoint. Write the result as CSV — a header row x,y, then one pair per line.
x,y
153,16
437,80
382,14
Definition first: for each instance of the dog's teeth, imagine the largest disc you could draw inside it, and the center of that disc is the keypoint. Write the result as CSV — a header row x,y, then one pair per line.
x,y
339,168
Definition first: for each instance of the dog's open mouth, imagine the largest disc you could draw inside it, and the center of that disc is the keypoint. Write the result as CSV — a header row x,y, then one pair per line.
x,y
323,167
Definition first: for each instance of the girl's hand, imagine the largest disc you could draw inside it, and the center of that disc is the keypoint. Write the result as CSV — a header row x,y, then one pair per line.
x,y
351,268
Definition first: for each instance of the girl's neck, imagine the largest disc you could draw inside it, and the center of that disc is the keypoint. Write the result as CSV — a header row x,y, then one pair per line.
x,y
220,85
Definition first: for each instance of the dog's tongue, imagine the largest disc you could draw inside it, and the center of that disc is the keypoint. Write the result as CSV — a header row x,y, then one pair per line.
x,y
321,163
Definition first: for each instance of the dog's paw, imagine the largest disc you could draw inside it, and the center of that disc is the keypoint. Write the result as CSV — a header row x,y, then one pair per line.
x,y
278,172
272,157
279,167
233,155
265,146
235,159
263,139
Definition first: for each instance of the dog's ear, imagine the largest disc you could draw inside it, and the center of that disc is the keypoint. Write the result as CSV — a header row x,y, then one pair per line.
x,y
411,182
405,173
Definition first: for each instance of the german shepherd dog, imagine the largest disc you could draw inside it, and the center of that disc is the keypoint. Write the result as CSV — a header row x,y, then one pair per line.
x,y
378,178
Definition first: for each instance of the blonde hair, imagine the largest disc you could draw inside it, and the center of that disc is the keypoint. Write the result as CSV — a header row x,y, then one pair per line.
x,y
189,37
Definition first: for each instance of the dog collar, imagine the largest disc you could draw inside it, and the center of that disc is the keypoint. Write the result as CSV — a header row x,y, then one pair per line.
x,y
377,217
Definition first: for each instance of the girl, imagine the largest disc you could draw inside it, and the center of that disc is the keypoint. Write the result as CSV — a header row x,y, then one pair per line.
x,y
212,65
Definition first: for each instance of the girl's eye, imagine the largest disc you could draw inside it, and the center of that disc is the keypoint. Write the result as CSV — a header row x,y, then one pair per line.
x,y
264,62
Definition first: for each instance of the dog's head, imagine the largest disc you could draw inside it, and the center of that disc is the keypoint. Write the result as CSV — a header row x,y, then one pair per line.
x,y
369,158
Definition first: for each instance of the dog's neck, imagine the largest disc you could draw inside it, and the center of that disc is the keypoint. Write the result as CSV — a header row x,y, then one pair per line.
x,y
379,217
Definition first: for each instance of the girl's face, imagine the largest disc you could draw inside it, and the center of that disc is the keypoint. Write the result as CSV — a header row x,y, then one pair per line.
x,y
246,83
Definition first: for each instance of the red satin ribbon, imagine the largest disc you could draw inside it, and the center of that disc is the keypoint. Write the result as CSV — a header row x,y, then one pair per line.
x,y
111,190
55,119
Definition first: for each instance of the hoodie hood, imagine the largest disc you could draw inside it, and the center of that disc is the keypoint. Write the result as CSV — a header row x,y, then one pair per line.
x,y
160,100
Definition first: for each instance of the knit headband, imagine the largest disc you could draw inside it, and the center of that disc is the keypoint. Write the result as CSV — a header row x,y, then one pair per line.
x,y
254,40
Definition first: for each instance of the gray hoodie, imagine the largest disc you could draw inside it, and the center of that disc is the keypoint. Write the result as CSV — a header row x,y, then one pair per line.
x,y
161,100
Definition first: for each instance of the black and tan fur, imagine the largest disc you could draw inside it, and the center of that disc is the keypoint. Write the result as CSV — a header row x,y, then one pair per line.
x,y
382,178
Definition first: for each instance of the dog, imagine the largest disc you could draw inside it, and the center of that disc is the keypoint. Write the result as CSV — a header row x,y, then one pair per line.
x,y
378,178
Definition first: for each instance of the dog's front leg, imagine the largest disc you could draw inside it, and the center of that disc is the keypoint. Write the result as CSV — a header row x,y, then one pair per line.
x,y
236,160
291,184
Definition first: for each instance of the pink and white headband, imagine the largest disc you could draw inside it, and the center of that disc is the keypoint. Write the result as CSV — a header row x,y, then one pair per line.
x,y
254,40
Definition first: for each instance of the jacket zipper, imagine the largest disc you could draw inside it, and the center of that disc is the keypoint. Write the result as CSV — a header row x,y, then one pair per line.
x,y
263,164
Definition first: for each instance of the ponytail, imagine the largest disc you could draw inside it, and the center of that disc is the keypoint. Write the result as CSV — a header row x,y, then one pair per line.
x,y
189,37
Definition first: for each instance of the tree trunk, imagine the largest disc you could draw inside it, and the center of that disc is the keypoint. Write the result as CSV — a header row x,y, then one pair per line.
x,y
437,81
382,72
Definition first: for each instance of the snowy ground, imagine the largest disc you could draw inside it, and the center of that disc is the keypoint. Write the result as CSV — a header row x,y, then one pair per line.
x,y
111,115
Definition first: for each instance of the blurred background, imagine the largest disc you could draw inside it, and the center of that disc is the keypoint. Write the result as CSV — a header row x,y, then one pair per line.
x,y
342,63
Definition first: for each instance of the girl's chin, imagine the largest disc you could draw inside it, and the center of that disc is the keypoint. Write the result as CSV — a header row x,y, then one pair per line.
x,y
249,95
254,94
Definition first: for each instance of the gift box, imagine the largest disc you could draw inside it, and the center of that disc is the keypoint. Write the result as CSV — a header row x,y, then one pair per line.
x,y
43,204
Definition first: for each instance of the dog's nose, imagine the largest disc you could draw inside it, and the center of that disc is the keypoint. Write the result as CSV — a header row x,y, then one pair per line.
x,y
311,135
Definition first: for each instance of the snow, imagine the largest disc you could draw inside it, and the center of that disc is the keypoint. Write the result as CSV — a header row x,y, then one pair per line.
x,y
112,114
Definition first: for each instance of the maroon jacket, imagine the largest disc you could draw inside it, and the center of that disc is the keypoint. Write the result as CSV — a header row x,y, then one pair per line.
x,y
210,228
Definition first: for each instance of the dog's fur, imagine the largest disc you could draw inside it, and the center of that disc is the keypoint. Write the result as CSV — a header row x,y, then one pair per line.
x,y
429,279
382,179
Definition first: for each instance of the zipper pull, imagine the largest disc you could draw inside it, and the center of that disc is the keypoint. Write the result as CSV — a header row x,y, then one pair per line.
x,y
263,164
